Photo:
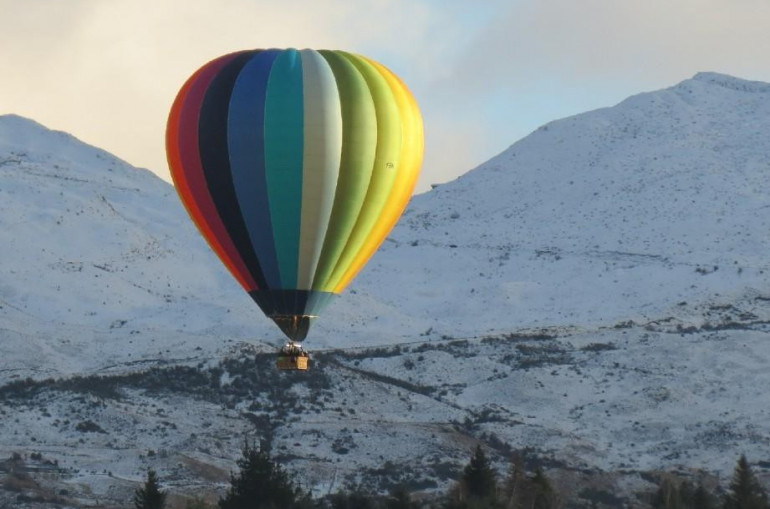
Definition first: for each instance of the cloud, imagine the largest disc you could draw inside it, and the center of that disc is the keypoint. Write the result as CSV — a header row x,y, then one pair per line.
x,y
539,60
108,71
595,40
484,73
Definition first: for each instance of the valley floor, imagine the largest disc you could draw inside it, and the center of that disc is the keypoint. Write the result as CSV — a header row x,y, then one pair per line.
x,y
602,409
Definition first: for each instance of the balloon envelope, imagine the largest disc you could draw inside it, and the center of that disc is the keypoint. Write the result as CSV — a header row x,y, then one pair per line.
x,y
294,165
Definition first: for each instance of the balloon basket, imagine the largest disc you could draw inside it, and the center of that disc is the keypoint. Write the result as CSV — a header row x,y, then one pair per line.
x,y
292,363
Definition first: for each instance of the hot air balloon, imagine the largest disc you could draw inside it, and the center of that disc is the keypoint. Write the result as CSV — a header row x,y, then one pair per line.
x,y
294,165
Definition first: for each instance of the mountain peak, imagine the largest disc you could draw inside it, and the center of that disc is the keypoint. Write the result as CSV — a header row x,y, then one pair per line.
x,y
17,132
24,139
18,120
731,82
674,175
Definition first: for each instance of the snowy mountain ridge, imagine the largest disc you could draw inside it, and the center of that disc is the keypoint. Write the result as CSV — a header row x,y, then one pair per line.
x,y
731,82
599,292
628,202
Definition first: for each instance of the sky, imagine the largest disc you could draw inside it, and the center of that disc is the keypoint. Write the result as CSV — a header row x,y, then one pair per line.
x,y
485,72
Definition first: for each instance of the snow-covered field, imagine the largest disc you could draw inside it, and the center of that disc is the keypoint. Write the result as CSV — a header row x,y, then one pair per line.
x,y
600,291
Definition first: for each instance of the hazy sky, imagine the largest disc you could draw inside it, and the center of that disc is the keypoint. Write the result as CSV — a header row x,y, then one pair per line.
x,y
485,72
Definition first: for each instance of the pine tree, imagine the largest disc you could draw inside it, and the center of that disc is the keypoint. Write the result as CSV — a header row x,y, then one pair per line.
x,y
149,496
544,494
399,499
745,492
702,499
479,478
261,484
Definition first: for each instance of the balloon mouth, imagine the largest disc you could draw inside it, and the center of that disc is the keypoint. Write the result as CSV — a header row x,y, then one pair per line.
x,y
292,310
295,327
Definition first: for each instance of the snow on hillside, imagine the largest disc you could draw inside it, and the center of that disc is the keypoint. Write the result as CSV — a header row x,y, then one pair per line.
x,y
617,214
101,265
598,291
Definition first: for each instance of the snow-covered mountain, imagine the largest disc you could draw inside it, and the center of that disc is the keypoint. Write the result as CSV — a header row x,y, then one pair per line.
x,y
599,292
613,215
101,265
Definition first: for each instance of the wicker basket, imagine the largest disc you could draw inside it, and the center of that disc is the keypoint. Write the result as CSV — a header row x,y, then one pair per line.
x,y
292,363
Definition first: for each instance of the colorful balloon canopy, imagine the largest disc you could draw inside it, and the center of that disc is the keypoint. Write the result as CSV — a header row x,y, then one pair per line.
x,y
294,165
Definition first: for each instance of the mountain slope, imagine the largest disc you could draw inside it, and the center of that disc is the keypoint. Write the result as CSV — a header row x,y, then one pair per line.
x,y
101,265
598,292
616,214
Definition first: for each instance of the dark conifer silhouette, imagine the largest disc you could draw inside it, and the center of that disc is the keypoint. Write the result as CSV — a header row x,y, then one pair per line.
x,y
543,493
745,492
399,498
261,484
479,478
702,499
149,496
477,487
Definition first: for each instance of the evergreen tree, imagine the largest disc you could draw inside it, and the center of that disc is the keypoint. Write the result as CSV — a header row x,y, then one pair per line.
x,y
261,484
544,495
149,496
702,499
479,477
399,499
745,492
